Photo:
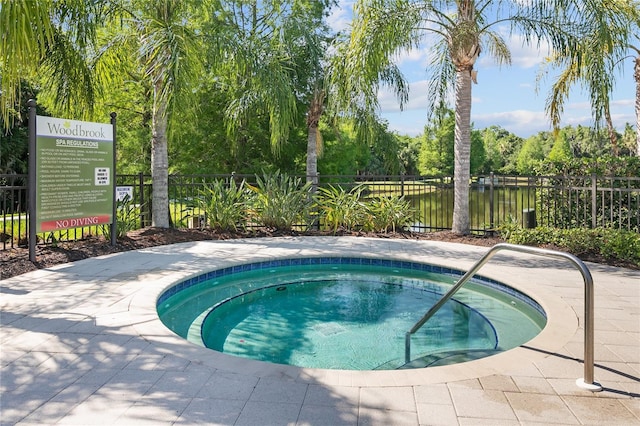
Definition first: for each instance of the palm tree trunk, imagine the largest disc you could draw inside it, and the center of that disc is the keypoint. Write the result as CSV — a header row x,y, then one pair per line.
x,y
159,164
312,156
613,137
462,149
312,165
313,121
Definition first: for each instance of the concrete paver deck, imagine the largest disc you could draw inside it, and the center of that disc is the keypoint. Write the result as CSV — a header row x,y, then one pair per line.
x,y
81,344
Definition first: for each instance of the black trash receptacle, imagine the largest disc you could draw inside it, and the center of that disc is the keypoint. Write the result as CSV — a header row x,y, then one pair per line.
x,y
529,218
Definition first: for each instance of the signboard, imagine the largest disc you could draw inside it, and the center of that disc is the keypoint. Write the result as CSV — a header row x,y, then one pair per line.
x,y
74,173
122,192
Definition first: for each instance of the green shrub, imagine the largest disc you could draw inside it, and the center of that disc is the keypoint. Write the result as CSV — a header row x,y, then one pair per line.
x,y
577,241
127,218
225,205
612,244
532,237
508,227
623,245
341,209
280,201
348,210
389,212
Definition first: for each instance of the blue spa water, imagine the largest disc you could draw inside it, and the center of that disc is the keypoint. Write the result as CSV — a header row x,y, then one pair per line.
x,y
348,316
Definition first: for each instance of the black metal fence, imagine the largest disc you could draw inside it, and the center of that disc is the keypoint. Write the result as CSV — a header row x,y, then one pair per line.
x,y
557,201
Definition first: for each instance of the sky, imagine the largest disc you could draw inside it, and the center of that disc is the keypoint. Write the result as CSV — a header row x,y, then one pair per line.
x,y
505,95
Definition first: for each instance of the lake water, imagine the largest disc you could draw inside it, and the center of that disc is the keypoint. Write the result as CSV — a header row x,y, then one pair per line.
x,y
436,207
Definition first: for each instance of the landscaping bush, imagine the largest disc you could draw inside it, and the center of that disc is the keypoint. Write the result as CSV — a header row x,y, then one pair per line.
x,y
280,201
351,211
611,244
225,205
340,209
127,218
618,244
389,212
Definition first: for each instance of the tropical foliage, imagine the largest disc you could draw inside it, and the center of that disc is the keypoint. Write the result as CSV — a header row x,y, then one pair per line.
x,y
339,208
611,244
389,213
353,210
280,201
225,204
54,41
204,86
127,218
459,31
603,45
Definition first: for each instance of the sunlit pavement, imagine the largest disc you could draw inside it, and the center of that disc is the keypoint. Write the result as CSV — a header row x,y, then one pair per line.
x,y
81,344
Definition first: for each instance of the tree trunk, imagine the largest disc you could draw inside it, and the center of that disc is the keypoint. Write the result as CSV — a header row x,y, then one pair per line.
x,y
312,156
313,121
462,155
613,137
159,163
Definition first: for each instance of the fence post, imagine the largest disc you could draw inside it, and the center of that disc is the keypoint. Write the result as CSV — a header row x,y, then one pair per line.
x,y
141,201
32,180
594,194
114,205
491,193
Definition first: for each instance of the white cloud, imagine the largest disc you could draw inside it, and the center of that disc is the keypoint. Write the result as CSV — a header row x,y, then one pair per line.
x,y
523,123
620,120
340,16
575,120
522,55
418,98
413,56
578,106
526,56
406,127
623,103
515,116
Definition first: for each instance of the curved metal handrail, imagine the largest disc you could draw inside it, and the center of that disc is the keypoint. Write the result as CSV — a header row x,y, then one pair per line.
x,y
586,382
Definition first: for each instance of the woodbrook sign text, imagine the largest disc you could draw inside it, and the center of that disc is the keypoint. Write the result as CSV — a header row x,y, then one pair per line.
x,y
74,164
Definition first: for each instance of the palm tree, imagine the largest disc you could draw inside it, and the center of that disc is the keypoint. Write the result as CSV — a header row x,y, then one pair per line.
x,y
271,57
458,32
54,40
308,35
252,64
166,51
59,40
601,51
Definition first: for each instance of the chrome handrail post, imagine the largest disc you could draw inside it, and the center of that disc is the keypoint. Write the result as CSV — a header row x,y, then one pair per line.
x,y
587,382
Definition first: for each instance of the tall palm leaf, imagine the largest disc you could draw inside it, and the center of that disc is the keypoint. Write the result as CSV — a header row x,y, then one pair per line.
x,y
602,48
252,63
56,40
